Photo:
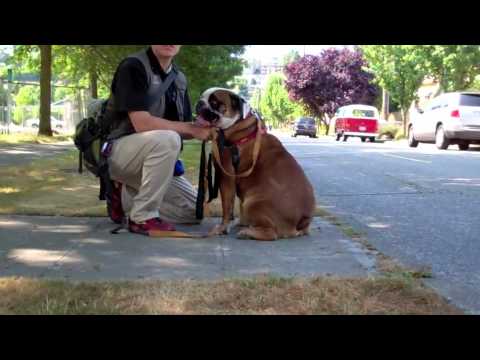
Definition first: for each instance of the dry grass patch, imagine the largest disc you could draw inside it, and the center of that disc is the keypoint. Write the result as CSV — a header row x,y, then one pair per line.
x,y
29,138
50,186
262,295
53,187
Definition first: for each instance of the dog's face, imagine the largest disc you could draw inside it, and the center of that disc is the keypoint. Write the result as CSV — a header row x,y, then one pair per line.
x,y
220,108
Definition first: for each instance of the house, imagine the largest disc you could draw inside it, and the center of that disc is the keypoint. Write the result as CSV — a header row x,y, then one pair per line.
x,y
257,72
69,111
427,90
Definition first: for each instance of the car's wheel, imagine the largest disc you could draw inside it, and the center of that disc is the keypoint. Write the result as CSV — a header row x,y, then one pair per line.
x,y
440,139
339,136
371,139
345,137
411,139
363,138
463,146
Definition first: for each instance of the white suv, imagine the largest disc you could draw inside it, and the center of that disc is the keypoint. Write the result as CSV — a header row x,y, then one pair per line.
x,y
450,118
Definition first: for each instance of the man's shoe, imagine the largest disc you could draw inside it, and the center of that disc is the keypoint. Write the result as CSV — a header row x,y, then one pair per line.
x,y
155,224
115,209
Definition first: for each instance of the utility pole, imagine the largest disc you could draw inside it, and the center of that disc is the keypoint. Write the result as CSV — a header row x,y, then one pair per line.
x,y
385,104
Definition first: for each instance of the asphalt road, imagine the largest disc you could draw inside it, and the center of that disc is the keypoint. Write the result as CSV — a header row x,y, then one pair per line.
x,y
421,206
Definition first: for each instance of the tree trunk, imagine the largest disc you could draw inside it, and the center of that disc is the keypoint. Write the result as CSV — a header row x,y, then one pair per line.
x,y
404,113
327,128
385,104
45,127
93,83
328,121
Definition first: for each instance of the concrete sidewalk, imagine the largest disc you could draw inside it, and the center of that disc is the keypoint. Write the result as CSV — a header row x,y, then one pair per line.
x,y
84,249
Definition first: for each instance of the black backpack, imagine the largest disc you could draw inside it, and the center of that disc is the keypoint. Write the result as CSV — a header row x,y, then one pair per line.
x,y
90,135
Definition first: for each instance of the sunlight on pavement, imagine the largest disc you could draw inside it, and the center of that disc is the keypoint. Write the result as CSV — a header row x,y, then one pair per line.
x,y
42,257
13,224
17,152
168,261
378,225
64,229
8,190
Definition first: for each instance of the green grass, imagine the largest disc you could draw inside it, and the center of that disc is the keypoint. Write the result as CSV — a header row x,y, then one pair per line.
x,y
53,187
50,186
22,138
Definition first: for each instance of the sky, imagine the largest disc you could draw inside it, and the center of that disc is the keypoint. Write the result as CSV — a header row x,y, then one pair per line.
x,y
268,52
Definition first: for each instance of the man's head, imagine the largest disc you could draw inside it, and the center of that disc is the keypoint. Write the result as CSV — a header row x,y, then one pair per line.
x,y
166,51
221,108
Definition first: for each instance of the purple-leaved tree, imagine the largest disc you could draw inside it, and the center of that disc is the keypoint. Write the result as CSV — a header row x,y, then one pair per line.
x,y
326,82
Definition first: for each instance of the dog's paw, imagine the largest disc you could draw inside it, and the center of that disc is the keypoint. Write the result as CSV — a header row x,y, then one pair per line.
x,y
238,225
219,230
244,234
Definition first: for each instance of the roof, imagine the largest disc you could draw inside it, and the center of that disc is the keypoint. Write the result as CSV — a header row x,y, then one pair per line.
x,y
360,107
460,92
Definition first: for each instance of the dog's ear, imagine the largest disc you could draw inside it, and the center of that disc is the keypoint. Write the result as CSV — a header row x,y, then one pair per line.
x,y
238,104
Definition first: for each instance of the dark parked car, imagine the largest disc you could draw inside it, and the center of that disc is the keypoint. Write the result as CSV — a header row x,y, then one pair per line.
x,y
305,126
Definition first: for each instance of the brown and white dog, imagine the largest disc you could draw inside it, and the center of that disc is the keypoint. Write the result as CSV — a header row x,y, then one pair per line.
x,y
276,198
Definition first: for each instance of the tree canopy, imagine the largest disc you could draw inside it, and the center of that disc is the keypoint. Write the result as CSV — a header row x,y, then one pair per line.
x,y
326,82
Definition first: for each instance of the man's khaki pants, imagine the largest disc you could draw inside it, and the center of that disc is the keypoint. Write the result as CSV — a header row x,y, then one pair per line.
x,y
144,163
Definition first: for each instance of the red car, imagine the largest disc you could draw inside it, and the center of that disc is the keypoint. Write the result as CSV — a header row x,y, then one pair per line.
x,y
356,120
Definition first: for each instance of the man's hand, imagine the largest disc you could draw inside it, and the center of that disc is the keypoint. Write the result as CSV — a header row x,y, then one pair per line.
x,y
199,121
143,121
201,133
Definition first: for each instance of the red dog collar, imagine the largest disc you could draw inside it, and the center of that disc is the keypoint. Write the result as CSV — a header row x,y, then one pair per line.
x,y
251,136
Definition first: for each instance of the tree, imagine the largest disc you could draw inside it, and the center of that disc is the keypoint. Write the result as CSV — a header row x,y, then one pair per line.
x,y
27,95
93,66
240,85
399,69
291,56
476,84
326,82
453,66
275,104
210,65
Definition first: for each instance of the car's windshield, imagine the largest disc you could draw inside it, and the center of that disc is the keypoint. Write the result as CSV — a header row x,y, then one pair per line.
x,y
306,121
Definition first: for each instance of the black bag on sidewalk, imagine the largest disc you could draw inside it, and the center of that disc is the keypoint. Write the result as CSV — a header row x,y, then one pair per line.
x,y
90,136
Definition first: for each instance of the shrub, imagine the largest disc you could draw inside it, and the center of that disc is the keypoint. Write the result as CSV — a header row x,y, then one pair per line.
x,y
390,131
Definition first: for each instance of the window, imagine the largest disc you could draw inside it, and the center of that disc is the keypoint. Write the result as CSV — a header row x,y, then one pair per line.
x,y
309,121
432,105
469,100
363,113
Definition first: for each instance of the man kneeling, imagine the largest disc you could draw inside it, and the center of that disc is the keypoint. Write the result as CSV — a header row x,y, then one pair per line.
x,y
150,108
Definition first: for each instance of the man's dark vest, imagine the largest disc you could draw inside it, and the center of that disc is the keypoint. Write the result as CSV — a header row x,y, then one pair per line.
x,y
121,124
